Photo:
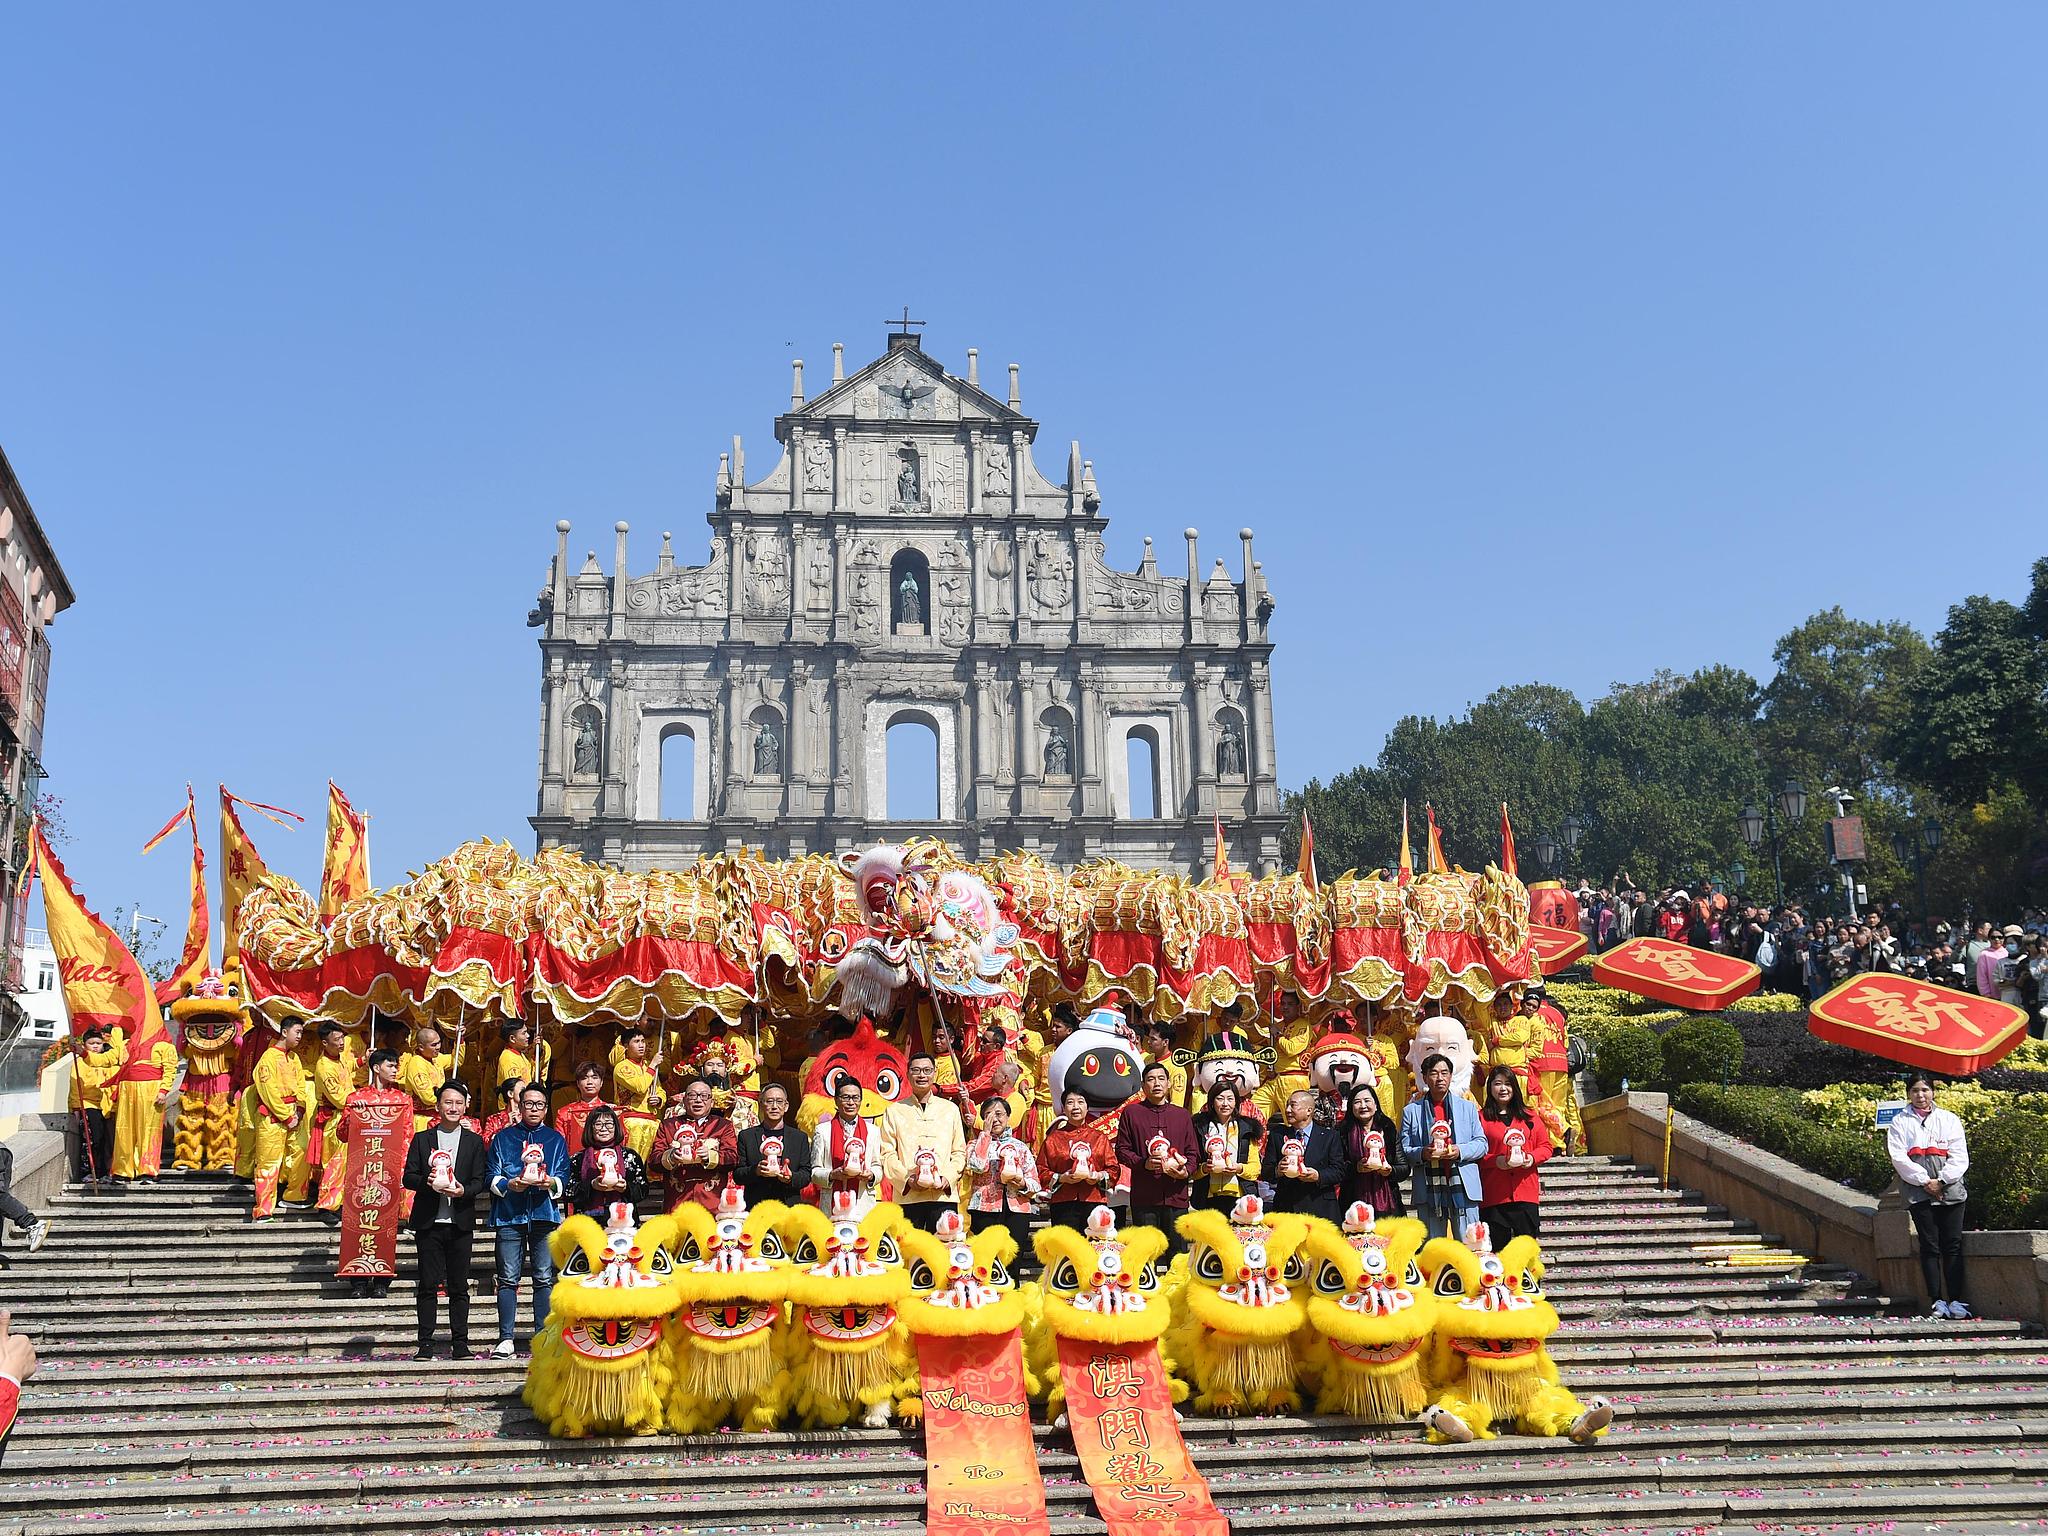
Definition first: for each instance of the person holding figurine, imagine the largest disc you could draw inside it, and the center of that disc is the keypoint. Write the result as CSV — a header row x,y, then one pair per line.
x,y
1229,1140
1517,1144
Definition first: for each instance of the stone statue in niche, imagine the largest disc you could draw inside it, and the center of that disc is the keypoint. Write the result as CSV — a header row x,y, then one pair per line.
x,y
588,744
821,576
910,602
909,479
767,576
1057,753
767,752
1230,749
995,471
817,464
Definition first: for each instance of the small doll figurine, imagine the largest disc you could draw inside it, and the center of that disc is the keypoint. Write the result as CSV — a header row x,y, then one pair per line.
x,y
1376,1152
856,1157
1217,1149
1440,1139
608,1170
533,1163
441,1169
1516,1145
925,1172
771,1155
1290,1156
1084,1160
684,1148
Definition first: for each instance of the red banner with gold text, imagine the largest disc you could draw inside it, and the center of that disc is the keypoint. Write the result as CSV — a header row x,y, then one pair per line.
x,y
1922,1025
981,1472
1678,974
1129,1442
378,1130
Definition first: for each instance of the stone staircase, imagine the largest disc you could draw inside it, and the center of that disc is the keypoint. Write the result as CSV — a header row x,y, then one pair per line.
x,y
200,1375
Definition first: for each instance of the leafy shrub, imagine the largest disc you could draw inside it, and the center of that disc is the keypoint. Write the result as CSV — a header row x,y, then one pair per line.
x,y
1627,1053
1707,1049
1777,1120
2008,1175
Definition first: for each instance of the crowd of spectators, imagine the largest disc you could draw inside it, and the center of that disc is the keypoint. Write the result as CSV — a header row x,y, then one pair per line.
x,y
1804,953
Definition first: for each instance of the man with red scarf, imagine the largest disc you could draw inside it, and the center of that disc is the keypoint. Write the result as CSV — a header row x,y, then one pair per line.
x,y
846,1152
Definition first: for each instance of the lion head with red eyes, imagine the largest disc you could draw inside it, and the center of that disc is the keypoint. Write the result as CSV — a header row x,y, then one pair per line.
x,y
863,1057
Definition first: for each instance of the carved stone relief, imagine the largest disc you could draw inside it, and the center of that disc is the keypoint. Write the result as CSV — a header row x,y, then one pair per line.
x,y
1051,576
995,470
817,464
999,563
767,576
819,579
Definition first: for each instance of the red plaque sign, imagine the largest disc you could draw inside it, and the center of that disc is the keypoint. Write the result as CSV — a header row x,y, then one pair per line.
x,y
1556,948
1900,1019
1676,974
378,1131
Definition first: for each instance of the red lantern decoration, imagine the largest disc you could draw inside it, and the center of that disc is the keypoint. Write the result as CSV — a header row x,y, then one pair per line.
x,y
1552,906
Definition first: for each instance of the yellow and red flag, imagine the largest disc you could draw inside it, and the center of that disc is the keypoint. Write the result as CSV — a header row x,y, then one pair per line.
x,y
241,868
1222,859
345,870
1437,866
1508,866
198,946
102,982
1306,864
1405,870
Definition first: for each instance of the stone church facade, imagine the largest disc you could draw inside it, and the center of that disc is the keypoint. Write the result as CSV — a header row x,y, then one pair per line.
x,y
905,561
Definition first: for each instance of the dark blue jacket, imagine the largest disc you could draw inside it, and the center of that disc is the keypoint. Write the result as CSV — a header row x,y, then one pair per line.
x,y
512,1207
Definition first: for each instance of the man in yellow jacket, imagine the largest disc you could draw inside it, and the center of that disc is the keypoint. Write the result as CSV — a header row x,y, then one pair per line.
x,y
280,1094
98,1056
140,1091
423,1069
316,1146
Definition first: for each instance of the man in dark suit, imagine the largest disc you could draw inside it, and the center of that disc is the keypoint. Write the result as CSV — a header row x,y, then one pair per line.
x,y
444,1168
1306,1161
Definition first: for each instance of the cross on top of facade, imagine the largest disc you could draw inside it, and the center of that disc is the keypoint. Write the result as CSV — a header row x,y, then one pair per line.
x,y
903,326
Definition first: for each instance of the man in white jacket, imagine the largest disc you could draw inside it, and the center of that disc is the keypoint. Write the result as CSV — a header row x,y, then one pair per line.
x,y
1930,1154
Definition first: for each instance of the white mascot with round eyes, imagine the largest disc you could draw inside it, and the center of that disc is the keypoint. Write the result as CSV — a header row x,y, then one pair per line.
x,y
1443,1036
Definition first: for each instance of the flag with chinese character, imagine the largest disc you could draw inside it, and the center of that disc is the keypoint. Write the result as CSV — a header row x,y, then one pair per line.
x,y
102,982
198,951
345,871
1934,1028
1120,1411
241,869
1678,974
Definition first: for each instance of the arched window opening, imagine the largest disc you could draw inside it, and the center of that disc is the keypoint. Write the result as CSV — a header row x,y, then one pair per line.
x,y
913,781
679,774
1141,770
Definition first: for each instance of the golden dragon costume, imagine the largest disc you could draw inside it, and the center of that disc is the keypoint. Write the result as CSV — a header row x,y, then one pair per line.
x,y
727,1338
847,1353
599,1366
1236,1317
1487,1354
1370,1317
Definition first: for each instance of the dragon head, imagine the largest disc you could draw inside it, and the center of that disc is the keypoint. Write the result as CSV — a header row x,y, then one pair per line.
x,y
961,1284
1490,1308
1244,1271
1104,1285
731,1269
616,1286
1367,1296
847,1275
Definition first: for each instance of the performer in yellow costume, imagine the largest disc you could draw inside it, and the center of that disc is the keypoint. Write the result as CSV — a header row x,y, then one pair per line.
x,y
424,1068
141,1089
98,1056
636,1079
280,1093
1553,1064
209,1017
317,1144
522,1059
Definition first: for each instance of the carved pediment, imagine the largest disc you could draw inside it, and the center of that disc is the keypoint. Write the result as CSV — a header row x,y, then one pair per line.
x,y
906,386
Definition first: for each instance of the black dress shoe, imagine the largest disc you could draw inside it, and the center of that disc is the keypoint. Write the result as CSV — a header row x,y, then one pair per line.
x,y
462,1352
423,1353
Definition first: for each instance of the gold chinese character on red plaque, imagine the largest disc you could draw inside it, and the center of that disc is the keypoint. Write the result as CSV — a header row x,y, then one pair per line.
x,y
1915,1022
1677,974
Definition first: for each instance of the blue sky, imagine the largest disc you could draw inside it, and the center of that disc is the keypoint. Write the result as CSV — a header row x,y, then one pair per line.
x,y
1561,342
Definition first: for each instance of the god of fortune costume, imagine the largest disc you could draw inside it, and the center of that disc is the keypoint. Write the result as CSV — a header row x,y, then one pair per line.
x,y
1225,1053
209,1017
600,1365
1236,1317
728,1336
959,1286
1338,1065
1370,1317
141,1090
279,1099
1488,1359
848,1354
1103,1286
319,1147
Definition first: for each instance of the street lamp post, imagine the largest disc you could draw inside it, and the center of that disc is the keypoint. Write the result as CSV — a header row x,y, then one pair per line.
x,y
1754,824
1905,846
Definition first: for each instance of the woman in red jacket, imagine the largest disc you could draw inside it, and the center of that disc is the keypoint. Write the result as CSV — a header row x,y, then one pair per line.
x,y
1517,1143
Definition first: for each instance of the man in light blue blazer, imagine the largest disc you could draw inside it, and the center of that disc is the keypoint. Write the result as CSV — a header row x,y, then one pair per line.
x,y
1443,1141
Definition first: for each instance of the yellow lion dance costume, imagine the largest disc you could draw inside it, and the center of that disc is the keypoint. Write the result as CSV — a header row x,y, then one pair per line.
x,y
959,1285
728,1336
209,1018
599,1366
1236,1318
1370,1317
847,1352
1101,1285
1487,1354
